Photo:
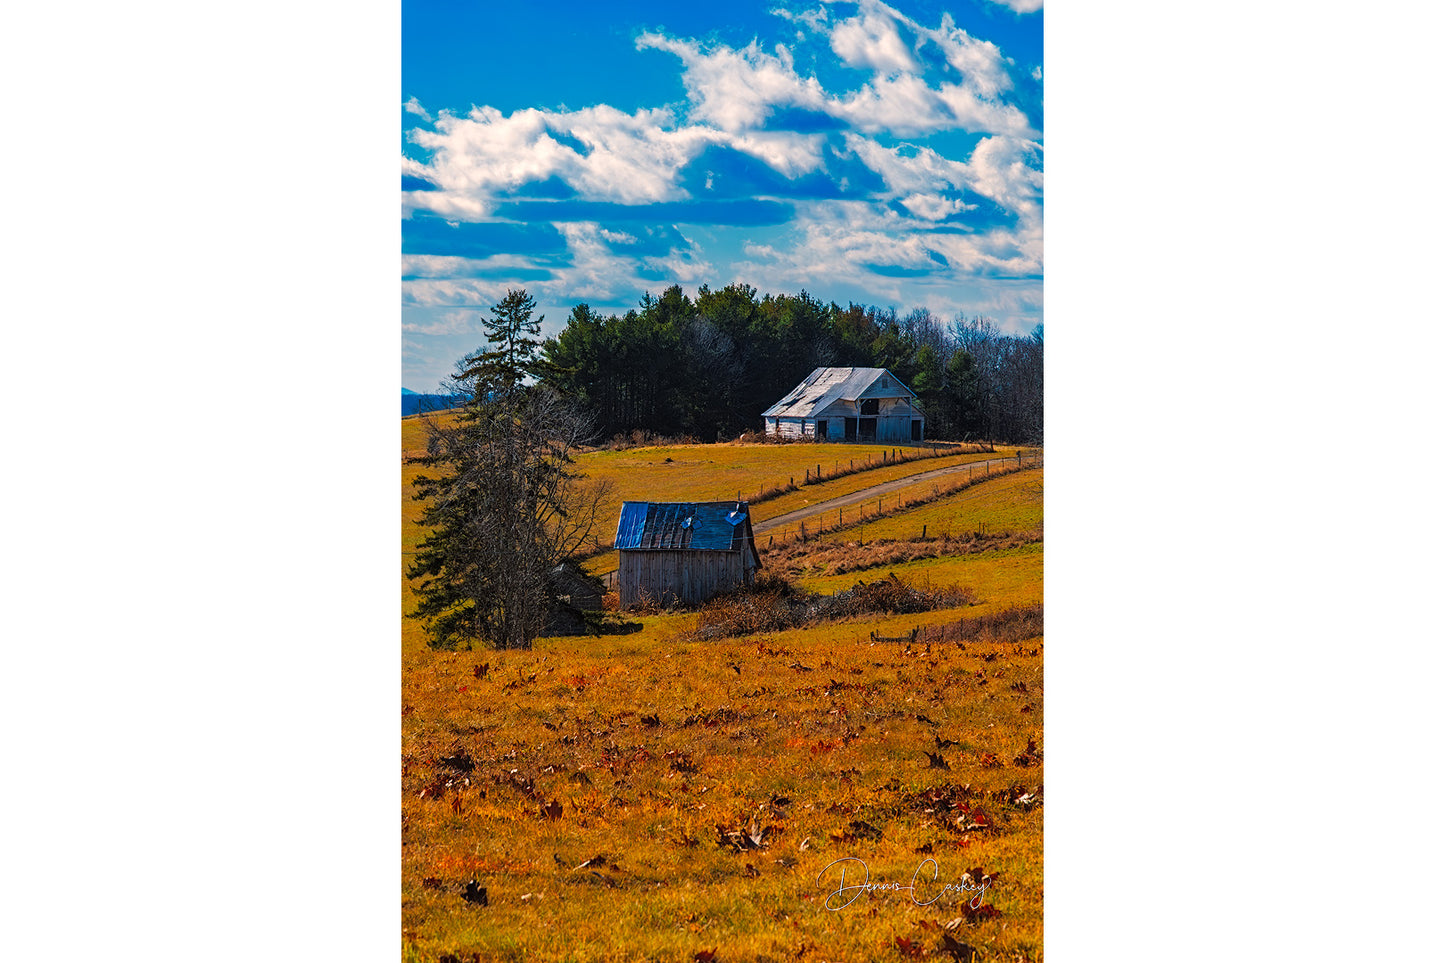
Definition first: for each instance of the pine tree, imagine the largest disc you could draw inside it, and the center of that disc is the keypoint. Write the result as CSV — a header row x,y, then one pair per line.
x,y
503,368
504,506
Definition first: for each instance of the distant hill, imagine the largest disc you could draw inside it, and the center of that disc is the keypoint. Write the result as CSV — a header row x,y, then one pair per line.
x,y
411,402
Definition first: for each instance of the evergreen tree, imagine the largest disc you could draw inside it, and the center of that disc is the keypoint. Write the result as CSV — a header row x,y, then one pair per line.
x,y
514,355
503,506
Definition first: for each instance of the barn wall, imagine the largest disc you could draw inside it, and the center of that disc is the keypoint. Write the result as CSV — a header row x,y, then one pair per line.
x,y
789,427
667,576
893,429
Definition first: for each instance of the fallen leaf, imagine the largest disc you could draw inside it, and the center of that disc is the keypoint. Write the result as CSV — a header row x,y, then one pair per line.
x,y
957,950
907,947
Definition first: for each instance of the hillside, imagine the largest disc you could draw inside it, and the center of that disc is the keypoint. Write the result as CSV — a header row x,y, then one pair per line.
x,y
693,794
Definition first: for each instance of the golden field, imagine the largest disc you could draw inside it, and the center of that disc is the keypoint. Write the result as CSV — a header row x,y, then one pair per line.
x,y
652,796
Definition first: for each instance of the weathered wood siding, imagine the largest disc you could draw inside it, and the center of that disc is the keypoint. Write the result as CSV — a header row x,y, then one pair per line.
x,y
791,427
895,419
676,575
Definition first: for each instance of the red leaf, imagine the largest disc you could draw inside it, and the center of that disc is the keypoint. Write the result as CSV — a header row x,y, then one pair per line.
x,y
907,947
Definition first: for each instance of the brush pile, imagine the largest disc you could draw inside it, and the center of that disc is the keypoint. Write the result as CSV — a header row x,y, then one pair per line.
x,y
772,604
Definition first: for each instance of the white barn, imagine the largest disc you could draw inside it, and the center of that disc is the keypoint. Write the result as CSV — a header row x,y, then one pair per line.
x,y
848,404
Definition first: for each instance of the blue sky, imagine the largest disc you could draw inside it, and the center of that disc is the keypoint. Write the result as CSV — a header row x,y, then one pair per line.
x,y
888,154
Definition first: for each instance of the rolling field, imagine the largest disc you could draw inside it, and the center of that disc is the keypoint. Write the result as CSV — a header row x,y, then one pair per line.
x,y
654,796
1008,504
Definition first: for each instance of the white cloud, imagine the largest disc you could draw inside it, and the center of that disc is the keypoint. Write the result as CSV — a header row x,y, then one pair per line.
x,y
788,153
452,322
479,160
737,89
1021,6
812,19
443,266
908,169
871,40
998,169
934,208
980,62
444,292
625,158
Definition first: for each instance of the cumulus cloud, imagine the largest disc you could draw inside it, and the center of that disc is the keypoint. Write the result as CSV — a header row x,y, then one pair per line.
x,y
737,89
871,40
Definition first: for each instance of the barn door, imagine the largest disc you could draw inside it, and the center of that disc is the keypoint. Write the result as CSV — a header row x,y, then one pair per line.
x,y
850,429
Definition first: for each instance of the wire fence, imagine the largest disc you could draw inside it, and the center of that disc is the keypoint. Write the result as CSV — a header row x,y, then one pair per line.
x,y
836,520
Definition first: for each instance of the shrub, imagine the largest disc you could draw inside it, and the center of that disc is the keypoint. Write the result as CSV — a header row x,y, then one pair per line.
x,y
773,604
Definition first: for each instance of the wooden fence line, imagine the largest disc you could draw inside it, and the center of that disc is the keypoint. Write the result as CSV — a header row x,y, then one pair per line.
x,y
1023,461
898,456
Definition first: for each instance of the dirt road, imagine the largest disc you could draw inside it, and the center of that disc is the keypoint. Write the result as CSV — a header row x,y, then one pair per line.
x,y
867,495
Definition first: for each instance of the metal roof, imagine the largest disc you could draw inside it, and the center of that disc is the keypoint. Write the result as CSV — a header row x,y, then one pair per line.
x,y
696,526
827,385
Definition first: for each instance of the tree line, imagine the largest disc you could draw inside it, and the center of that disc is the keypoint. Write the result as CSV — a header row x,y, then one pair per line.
x,y
709,366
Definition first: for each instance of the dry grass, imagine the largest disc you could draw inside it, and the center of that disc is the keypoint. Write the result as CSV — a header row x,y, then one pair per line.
x,y
1012,576
653,796
891,505
847,483
795,559
1013,624
611,792
1012,503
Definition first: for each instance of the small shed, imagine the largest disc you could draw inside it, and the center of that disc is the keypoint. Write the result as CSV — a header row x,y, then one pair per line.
x,y
848,404
683,552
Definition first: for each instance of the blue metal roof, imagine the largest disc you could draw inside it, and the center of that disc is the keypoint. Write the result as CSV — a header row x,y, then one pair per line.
x,y
706,526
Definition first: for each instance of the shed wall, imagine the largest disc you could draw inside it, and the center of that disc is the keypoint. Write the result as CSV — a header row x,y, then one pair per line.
x,y
682,576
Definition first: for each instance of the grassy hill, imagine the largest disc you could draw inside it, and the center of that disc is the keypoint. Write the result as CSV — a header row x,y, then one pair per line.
x,y
656,796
